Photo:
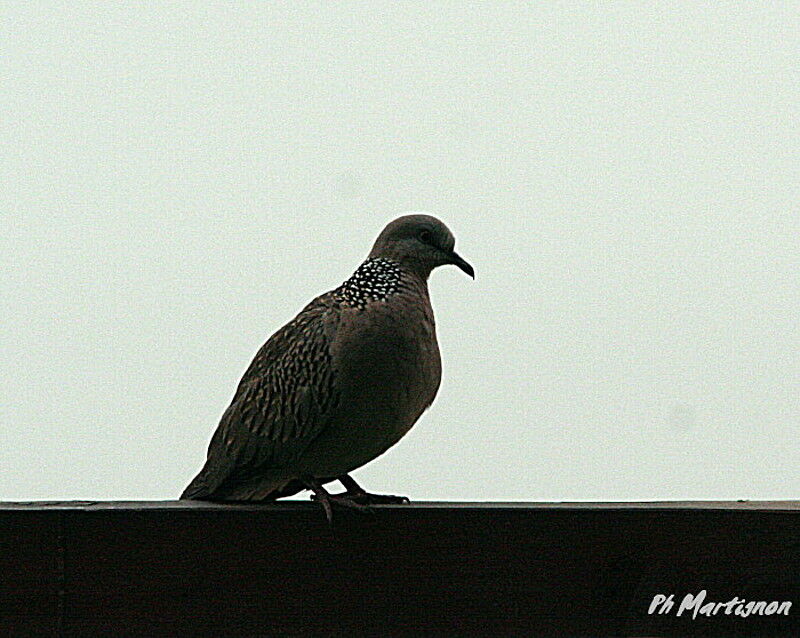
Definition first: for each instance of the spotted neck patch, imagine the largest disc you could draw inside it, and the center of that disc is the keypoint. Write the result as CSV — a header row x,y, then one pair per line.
x,y
374,280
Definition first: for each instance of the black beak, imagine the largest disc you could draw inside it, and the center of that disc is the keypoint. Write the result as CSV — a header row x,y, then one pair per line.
x,y
456,260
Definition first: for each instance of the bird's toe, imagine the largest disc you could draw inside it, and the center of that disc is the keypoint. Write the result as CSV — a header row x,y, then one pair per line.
x,y
381,499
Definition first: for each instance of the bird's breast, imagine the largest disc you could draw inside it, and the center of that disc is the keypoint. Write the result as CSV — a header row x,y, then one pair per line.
x,y
387,371
388,358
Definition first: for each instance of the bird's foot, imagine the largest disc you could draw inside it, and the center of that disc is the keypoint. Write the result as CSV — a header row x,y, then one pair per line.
x,y
358,494
346,500
365,498
354,497
362,501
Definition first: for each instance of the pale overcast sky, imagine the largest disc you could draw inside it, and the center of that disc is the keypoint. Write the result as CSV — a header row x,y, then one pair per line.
x,y
179,179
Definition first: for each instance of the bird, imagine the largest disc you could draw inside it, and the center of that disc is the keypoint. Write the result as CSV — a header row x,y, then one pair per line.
x,y
340,383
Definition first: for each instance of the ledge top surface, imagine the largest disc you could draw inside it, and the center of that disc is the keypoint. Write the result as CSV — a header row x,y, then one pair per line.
x,y
288,505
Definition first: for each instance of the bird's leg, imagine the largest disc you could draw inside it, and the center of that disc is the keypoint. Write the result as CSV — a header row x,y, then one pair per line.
x,y
327,499
354,492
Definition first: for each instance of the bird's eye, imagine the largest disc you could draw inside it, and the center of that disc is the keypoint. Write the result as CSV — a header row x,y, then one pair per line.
x,y
425,236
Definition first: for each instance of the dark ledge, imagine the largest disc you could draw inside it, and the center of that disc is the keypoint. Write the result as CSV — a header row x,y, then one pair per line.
x,y
586,569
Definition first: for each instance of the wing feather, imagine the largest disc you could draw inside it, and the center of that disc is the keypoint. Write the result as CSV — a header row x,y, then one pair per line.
x,y
281,404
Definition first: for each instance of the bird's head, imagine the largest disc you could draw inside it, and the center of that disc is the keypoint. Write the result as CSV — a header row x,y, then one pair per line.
x,y
419,243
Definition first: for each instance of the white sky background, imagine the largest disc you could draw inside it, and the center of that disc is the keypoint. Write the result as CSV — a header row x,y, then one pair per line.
x,y
177,181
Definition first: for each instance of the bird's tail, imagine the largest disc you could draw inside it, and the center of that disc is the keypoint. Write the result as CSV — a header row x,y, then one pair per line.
x,y
252,489
209,480
197,489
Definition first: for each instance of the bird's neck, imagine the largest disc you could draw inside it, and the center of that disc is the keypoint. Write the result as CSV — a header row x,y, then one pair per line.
x,y
377,279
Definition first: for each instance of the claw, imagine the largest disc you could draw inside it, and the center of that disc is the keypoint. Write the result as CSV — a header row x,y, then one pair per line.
x,y
358,493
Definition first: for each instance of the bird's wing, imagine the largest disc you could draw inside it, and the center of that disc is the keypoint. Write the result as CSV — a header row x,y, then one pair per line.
x,y
280,406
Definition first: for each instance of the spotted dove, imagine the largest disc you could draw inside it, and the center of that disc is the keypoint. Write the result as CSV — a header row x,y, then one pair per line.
x,y
340,383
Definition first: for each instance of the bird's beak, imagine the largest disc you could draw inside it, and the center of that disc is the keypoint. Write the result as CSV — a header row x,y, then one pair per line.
x,y
456,260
